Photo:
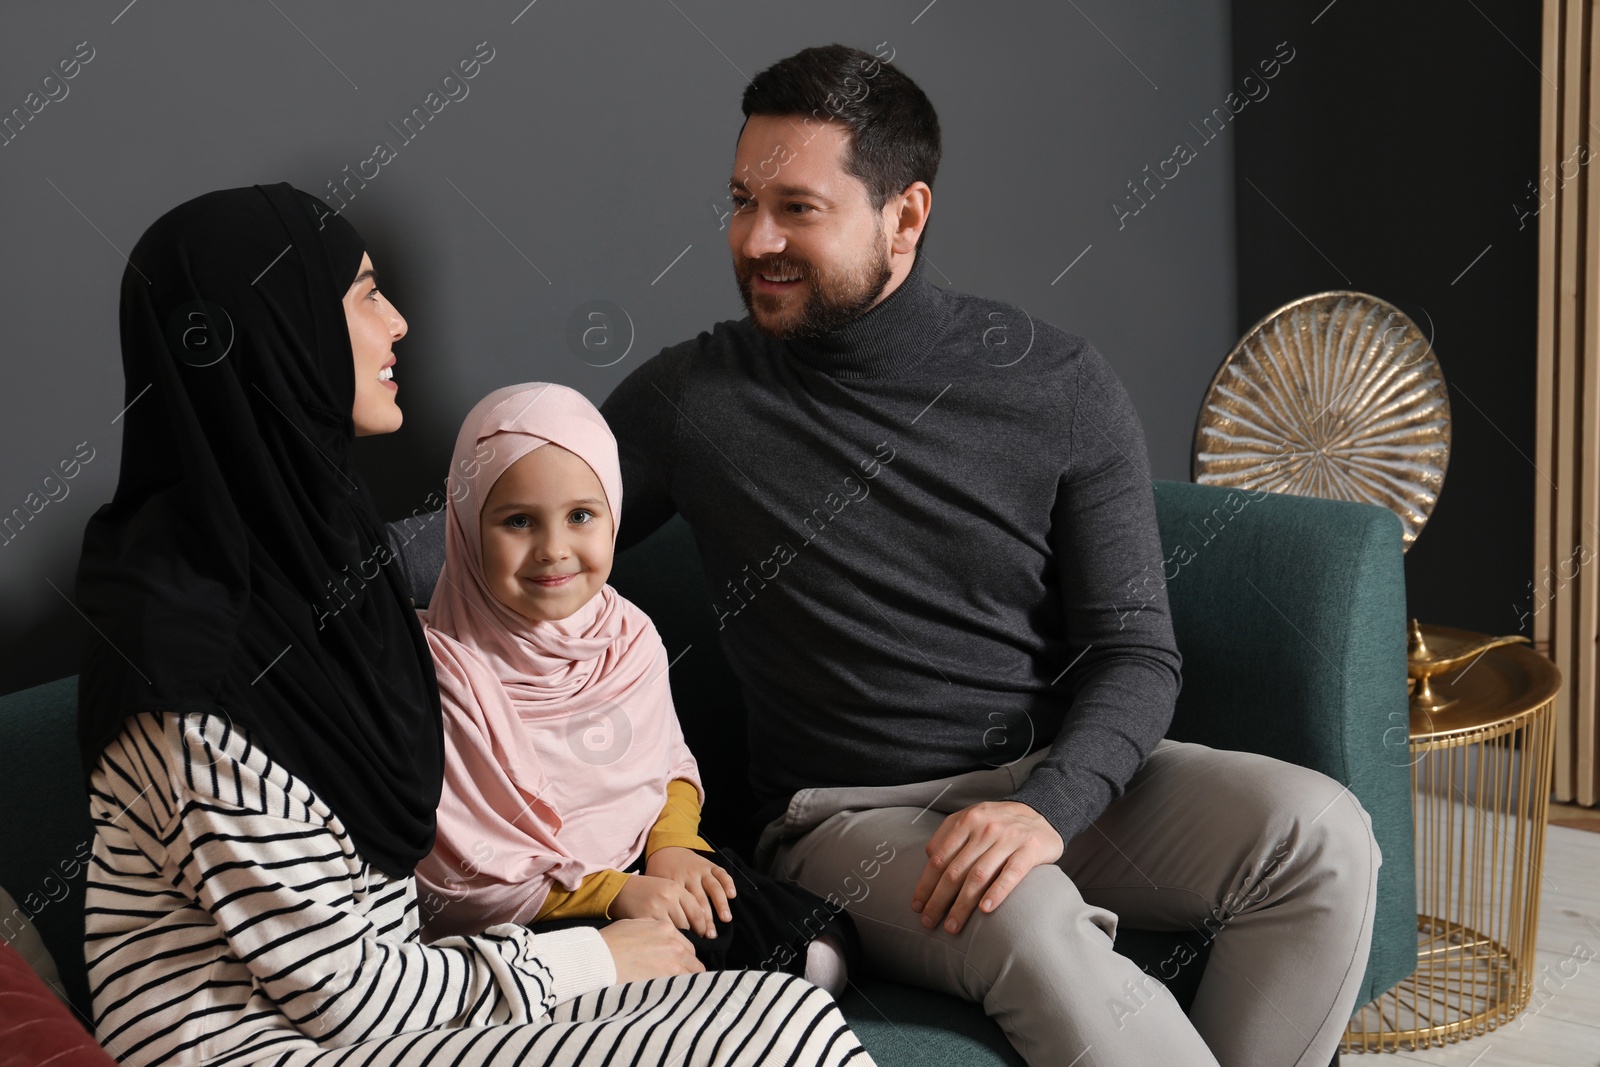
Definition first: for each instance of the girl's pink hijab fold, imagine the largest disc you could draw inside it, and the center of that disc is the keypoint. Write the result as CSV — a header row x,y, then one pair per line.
x,y
560,737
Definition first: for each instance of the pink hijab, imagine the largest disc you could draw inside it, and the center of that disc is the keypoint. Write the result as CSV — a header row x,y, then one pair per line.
x,y
560,737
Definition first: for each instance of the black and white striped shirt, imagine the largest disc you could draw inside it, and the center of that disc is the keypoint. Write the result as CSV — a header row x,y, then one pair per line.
x,y
230,920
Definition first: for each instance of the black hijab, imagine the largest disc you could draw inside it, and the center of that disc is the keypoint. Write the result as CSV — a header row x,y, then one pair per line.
x,y
241,566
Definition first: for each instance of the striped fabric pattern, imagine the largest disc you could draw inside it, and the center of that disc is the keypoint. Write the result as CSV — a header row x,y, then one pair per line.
x,y
230,920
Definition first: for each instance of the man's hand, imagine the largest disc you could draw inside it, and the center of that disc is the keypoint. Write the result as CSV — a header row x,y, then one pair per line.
x,y
710,885
977,857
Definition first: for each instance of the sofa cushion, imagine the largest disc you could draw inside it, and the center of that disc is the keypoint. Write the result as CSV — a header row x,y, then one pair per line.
x,y
906,1027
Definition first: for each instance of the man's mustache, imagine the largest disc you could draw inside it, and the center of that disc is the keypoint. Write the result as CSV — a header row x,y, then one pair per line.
x,y
749,268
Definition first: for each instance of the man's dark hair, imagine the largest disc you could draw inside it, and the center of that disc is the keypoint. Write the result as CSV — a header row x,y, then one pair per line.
x,y
892,128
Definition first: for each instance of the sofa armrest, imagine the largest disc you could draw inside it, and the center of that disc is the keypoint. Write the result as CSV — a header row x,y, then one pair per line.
x,y
1290,615
48,836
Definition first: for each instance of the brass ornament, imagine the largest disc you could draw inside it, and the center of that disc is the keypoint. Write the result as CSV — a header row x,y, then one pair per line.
x,y
1450,649
1336,395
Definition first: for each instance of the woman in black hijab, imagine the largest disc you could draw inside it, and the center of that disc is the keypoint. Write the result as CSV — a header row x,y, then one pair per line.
x,y
260,723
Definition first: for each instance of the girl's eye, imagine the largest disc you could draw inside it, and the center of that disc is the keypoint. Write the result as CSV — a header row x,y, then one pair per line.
x,y
517,522
373,293
585,512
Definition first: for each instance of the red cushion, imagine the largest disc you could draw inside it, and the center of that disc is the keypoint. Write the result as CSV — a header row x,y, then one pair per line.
x,y
35,1026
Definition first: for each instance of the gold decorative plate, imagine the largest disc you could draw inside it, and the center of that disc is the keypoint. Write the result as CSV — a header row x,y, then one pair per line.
x,y
1336,395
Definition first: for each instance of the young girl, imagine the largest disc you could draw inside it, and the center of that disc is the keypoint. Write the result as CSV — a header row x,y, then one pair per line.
x,y
569,792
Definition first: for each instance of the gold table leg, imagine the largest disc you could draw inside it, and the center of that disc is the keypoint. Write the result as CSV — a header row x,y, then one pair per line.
x,y
1482,800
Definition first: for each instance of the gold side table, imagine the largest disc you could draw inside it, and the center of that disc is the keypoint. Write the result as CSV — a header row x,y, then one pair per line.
x,y
1480,777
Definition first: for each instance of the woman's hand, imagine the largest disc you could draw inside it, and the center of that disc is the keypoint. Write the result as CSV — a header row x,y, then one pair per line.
x,y
710,885
648,948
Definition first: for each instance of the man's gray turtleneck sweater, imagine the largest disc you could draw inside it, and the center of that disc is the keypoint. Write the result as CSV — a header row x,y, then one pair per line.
x,y
930,538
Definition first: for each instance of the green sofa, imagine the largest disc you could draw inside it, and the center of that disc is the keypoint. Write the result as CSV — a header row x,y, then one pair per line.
x,y
1289,613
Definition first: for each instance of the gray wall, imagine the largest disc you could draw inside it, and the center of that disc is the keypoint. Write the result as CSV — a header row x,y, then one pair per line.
x,y
590,152
1359,223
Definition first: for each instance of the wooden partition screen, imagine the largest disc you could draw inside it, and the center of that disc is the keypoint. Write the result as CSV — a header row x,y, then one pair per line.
x,y
1566,584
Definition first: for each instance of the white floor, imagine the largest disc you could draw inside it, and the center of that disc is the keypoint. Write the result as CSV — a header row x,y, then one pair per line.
x,y
1561,1027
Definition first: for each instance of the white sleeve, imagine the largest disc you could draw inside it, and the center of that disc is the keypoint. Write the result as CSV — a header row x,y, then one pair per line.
x,y
295,902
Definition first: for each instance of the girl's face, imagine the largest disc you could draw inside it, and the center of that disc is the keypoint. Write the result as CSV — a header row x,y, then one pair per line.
x,y
546,535
375,325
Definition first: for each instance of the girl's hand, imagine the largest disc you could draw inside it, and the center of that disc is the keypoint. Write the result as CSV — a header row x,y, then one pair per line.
x,y
646,897
710,885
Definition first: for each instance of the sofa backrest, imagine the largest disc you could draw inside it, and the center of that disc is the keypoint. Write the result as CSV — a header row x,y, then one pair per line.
x,y
1289,613
1277,602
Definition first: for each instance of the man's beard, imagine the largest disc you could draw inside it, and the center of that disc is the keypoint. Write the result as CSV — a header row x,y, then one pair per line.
x,y
831,301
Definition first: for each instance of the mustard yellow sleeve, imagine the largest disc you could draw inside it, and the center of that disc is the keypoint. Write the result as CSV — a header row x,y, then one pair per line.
x,y
591,900
679,823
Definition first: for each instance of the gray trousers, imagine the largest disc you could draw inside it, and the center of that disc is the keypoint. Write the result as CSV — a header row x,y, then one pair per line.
x,y
1274,864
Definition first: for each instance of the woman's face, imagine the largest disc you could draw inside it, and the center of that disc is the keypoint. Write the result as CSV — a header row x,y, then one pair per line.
x,y
375,325
546,535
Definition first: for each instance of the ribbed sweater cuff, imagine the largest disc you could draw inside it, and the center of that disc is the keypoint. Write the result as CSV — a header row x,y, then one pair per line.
x,y
1051,795
579,960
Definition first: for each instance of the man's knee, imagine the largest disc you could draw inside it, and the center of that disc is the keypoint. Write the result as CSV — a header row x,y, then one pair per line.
x,y
1324,833
1346,836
